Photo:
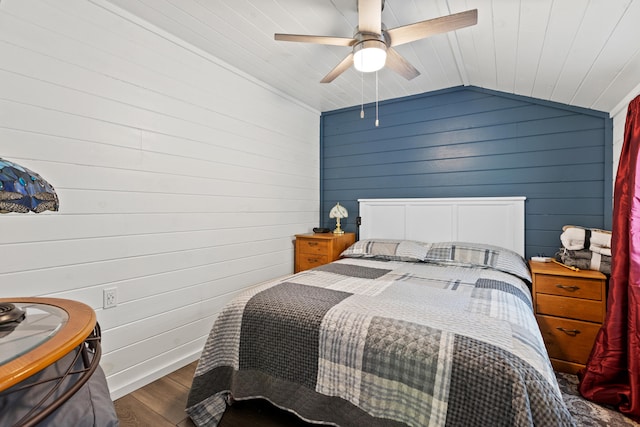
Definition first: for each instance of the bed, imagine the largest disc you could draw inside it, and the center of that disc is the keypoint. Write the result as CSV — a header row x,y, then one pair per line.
x,y
404,330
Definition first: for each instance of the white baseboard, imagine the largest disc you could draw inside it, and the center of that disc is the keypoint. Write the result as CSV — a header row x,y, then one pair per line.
x,y
140,376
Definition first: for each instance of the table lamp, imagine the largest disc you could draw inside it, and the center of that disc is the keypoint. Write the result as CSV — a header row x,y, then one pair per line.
x,y
338,212
23,191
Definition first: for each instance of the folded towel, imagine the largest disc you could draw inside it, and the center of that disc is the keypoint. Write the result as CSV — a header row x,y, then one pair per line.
x,y
581,254
585,260
573,238
577,238
600,242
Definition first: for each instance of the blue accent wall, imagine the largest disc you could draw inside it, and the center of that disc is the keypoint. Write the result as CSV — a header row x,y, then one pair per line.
x,y
472,142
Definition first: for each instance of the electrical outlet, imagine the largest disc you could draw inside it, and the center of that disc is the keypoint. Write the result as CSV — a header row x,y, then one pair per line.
x,y
109,297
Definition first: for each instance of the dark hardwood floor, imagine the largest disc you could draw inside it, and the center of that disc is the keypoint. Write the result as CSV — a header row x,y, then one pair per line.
x,y
162,403
159,404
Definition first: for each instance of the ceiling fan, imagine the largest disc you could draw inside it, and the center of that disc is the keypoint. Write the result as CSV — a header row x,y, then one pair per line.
x,y
373,44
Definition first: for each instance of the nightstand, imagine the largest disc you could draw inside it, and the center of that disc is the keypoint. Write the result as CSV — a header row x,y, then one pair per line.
x,y
313,250
569,307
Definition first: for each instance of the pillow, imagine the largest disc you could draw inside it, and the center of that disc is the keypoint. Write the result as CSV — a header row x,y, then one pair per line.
x,y
478,255
390,250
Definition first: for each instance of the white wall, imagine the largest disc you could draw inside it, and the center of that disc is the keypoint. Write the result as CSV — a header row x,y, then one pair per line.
x,y
181,180
619,116
618,138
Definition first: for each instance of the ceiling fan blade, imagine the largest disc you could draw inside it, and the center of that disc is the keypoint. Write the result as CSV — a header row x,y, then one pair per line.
x,y
339,69
397,63
423,29
370,16
334,41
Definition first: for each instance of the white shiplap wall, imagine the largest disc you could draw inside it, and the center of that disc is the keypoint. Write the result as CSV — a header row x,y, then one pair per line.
x,y
182,180
618,139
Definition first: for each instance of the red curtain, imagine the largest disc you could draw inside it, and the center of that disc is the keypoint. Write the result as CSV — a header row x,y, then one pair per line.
x,y
612,374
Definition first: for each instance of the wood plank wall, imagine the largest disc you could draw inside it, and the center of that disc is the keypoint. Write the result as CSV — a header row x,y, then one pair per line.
x,y
471,142
181,180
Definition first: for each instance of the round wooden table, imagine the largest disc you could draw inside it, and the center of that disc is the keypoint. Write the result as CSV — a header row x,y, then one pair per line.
x,y
52,328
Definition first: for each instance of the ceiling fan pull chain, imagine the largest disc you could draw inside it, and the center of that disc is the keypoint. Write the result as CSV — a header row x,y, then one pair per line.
x,y
377,121
362,92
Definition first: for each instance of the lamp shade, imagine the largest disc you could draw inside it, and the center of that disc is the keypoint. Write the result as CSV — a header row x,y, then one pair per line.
x,y
338,211
22,190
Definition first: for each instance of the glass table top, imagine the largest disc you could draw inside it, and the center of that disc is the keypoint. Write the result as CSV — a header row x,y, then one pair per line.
x,y
41,322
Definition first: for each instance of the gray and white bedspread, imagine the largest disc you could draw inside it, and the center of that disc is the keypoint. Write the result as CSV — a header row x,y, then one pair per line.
x,y
371,341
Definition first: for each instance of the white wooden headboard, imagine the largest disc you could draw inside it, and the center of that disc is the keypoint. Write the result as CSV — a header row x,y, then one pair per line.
x,y
492,220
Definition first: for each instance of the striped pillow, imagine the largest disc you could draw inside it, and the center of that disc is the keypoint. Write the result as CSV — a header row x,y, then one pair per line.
x,y
478,255
389,250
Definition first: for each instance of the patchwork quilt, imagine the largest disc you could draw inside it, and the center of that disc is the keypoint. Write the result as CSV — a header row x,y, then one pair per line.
x,y
447,338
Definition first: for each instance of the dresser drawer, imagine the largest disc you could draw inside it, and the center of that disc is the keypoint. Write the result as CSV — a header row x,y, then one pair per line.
x,y
573,308
307,261
569,286
566,339
308,246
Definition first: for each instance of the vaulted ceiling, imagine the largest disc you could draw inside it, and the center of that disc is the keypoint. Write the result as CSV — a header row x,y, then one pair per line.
x,y
578,52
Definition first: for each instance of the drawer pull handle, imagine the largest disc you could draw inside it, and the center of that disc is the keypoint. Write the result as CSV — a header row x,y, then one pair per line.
x,y
570,288
572,332
312,243
312,260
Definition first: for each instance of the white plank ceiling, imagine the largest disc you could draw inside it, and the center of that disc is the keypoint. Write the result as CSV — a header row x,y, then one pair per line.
x,y
578,52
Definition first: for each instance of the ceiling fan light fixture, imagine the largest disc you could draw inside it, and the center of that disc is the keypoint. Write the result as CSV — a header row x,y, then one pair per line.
x,y
369,55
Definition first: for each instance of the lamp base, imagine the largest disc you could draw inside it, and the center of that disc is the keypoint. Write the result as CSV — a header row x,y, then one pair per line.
x,y
338,230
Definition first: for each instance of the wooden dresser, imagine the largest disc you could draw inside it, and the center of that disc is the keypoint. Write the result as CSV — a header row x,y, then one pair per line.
x,y
313,250
570,308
